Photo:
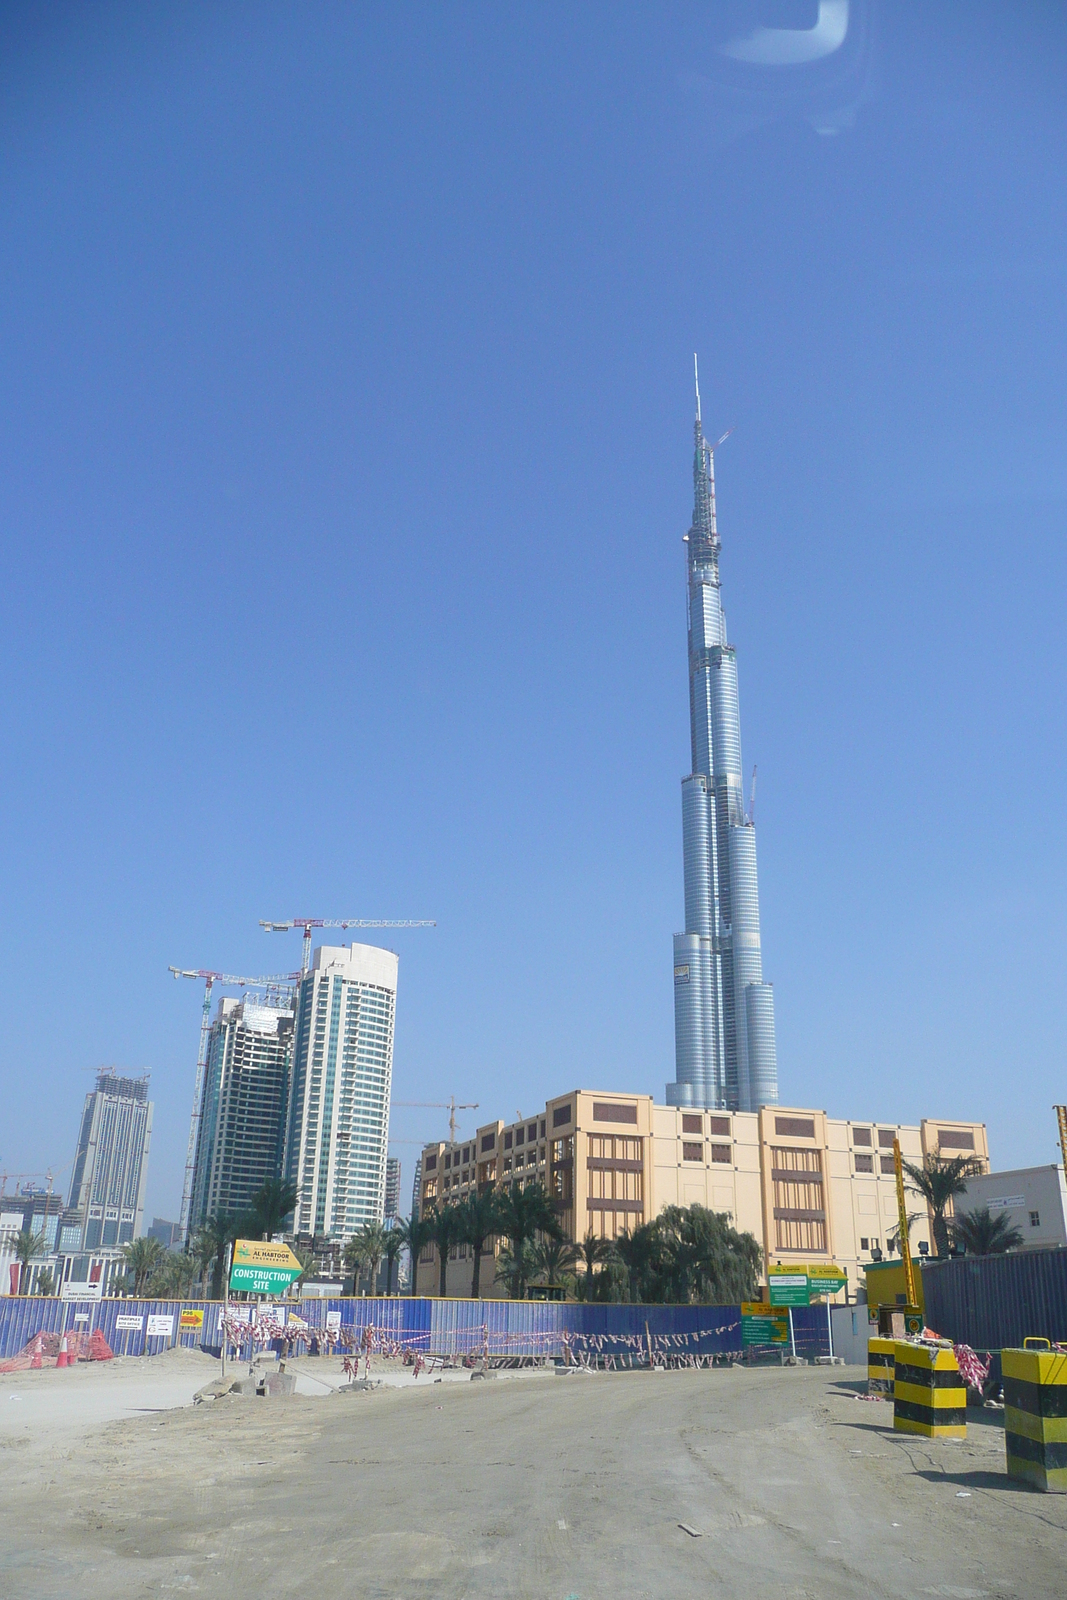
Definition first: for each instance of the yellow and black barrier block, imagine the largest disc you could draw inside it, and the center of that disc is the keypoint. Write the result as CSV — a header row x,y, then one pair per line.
x,y
929,1396
1035,1417
880,1359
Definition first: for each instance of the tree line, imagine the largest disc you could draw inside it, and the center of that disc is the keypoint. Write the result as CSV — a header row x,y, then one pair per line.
x,y
687,1255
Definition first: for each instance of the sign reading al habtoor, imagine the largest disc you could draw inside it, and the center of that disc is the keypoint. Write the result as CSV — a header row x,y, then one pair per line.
x,y
262,1268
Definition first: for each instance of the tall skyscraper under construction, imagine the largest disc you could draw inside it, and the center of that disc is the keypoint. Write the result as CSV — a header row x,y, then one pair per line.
x,y
107,1188
241,1129
338,1115
723,1011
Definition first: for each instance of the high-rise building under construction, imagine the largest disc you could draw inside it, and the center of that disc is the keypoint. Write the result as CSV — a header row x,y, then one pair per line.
x,y
107,1188
725,1055
240,1139
338,1113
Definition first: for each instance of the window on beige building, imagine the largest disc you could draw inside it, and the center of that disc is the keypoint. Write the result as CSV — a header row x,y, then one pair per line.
x,y
889,1166
886,1136
691,1124
720,1126
797,1188
692,1152
864,1163
861,1136
955,1138
721,1152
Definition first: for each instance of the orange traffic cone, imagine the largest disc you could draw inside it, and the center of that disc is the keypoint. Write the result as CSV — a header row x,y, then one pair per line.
x,y
36,1362
63,1360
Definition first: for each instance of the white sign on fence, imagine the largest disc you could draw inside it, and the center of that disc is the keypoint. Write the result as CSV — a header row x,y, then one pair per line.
x,y
333,1321
159,1326
81,1291
129,1324
241,1313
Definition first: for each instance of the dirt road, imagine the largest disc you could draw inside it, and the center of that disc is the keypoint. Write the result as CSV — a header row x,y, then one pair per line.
x,y
524,1486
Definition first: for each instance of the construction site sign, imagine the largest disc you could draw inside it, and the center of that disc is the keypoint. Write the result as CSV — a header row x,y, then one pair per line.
x,y
762,1323
786,1286
191,1317
826,1278
260,1267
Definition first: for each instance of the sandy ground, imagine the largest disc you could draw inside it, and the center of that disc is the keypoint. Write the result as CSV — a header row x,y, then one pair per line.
x,y
527,1485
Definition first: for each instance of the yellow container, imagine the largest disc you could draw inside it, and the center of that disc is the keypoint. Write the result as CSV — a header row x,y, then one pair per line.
x,y
880,1359
929,1396
1035,1417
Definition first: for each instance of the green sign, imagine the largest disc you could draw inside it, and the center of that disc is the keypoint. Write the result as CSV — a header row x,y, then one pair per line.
x,y
827,1279
788,1288
262,1267
263,1280
762,1324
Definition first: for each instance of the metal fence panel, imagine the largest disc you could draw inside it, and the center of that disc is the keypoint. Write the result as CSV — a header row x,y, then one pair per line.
x,y
995,1302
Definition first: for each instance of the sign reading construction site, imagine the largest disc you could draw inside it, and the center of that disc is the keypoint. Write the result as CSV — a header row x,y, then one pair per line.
x,y
262,1268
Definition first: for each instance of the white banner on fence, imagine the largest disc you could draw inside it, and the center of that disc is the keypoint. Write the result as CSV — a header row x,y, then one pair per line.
x,y
159,1326
333,1322
81,1291
129,1324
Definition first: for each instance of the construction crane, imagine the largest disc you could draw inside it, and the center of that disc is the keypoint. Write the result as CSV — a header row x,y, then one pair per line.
x,y
451,1106
307,923
18,1176
902,1218
273,981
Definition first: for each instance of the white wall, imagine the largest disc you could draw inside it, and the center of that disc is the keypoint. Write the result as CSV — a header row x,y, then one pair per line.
x,y
1019,1194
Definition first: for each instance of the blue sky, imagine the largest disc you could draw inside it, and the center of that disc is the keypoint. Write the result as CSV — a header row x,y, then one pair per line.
x,y
345,454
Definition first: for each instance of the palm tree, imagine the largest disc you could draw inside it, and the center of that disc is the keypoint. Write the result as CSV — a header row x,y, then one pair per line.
x,y
939,1180
174,1275
480,1219
982,1234
364,1251
636,1251
270,1205
554,1261
447,1226
27,1244
221,1229
394,1243
523,1214
591,1253
142,1258
45,1284
415,1234
201,1247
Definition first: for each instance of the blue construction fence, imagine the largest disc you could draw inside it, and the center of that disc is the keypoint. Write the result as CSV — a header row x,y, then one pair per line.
x,y
498,1329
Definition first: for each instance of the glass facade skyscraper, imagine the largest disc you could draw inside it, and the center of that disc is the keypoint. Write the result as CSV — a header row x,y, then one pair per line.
x,y
725,1053
338,1116
242,1109
107,1188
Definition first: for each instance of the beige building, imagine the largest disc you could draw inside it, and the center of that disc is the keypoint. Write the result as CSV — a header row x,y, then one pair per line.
x,y
808,1186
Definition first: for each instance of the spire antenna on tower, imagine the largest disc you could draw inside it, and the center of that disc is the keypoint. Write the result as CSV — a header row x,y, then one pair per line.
x,y
696,380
